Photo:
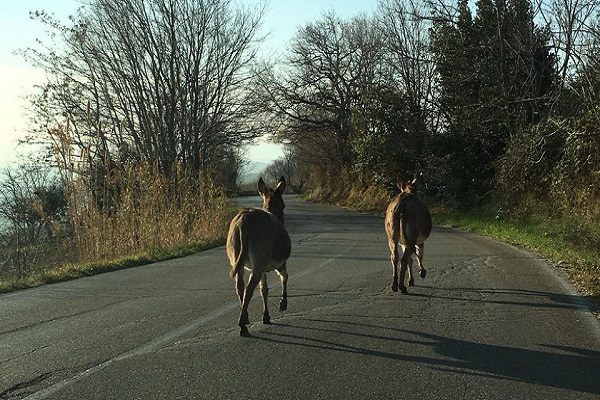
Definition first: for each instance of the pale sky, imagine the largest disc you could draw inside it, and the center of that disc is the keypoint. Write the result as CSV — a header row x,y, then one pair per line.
x,y
18,31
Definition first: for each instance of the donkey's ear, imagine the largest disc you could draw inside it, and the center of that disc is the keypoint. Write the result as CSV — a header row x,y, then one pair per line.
x,y
399,182
281,185
263,190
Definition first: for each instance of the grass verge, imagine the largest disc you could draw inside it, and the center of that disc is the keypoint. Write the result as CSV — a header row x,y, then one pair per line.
x,y
569,242
77,270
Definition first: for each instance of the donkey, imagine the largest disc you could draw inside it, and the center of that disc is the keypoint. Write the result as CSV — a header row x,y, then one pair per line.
x,y
408,223
258,241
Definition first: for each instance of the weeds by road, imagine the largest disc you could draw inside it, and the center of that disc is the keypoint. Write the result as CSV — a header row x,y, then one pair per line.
x,y
73,270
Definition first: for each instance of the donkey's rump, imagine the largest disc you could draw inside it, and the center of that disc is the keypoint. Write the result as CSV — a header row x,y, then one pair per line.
x,y
257,234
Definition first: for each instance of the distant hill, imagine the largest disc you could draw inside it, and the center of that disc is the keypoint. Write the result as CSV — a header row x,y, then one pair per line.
x,y
251,172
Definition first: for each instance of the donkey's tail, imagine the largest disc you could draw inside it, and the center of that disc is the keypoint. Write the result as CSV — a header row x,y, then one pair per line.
x,y
407,237
241,258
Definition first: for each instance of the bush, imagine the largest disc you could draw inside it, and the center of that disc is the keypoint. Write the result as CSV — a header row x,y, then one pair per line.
x,y
526,172
553,167
577,176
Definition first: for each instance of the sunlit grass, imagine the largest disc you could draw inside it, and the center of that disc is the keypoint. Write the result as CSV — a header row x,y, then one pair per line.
x,y
78,270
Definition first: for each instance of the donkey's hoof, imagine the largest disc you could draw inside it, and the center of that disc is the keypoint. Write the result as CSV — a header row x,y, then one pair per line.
x,y
411,282
283,305
403,290
423,273
266,319
244,331
394,287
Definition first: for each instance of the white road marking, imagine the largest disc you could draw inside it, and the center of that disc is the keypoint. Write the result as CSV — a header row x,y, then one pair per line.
x,y
168,337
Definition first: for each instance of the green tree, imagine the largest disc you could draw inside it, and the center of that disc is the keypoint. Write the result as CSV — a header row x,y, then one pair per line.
x,y
390,137
497,76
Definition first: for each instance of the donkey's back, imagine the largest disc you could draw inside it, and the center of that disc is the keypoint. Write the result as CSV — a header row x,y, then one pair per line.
x,y
411,220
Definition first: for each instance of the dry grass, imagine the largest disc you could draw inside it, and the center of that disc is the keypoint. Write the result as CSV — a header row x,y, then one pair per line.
x,y
143,217
147,212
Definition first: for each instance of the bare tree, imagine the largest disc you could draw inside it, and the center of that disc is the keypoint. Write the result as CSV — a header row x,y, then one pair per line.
x,y
574,30
32,204
406,25
169,79
296,173
30,200
332,63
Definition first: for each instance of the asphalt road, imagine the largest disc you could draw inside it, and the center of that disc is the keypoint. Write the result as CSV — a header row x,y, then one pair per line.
x,y
490,321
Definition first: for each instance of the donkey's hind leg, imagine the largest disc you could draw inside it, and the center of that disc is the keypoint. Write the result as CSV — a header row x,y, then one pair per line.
x,y
264,292
394,260
283,276
239,285
406,258
411,277
419,249
248,291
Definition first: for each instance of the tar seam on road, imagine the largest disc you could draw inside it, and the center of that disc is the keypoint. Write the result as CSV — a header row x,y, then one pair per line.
x,y
167,337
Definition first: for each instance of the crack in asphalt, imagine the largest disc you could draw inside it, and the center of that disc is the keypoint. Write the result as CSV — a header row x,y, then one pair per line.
x,y
59,318
7,360
21,386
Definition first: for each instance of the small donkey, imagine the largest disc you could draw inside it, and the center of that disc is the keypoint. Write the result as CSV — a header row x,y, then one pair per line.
x,y
408,223
258,241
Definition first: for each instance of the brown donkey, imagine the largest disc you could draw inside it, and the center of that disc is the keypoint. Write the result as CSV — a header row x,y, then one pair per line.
x,y
258,241
408,223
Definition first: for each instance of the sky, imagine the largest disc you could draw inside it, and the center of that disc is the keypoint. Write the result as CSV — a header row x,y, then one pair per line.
x,y
18,77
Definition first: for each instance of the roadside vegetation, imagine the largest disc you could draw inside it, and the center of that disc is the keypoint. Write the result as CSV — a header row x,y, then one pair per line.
x,y
147,105
137,218
138,129
45,271
493,104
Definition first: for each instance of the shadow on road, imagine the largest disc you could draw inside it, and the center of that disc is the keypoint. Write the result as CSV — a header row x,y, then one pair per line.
x,y
556,300
560,367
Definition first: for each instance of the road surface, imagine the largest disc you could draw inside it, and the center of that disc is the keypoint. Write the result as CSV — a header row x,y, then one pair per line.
x,y
490,321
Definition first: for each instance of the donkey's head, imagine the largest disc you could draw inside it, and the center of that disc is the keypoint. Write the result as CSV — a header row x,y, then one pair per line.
x,y
407,187
272,199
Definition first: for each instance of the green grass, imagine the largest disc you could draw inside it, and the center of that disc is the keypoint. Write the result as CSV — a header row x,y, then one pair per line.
x,y
77,270
569,242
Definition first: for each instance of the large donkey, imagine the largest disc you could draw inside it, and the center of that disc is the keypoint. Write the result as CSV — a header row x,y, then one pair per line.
x,y
408,223
258,241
